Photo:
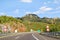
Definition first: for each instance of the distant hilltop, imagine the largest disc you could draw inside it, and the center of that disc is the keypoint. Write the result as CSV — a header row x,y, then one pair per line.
x,y
31,17
35,18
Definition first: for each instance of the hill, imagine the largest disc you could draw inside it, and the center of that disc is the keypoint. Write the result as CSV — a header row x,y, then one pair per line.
x,y
31,17
4,19
30,21
11,24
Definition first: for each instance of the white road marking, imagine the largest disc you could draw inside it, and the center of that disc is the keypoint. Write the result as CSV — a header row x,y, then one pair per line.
x,y
35,37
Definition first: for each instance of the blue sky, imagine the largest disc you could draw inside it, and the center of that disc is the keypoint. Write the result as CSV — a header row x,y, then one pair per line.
x,y
19,8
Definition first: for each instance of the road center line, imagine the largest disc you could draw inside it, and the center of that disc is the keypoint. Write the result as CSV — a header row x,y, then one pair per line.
x,y
35,37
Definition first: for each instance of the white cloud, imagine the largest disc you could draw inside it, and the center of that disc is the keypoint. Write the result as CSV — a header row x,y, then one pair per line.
x,y
16,11
41,10
26,1
44,8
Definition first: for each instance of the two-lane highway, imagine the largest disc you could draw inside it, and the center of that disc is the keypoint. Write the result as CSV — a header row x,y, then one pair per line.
x,y
27,36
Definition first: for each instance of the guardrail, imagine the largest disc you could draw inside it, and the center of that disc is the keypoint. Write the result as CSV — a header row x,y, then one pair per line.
x,y
52,34
6,34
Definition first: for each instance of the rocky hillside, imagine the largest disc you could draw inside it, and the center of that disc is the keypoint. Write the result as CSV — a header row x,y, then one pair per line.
x,y
31,17
11,24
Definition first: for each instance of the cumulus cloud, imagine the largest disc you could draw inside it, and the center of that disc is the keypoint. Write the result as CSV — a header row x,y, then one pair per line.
x,y
41,10
44,8
26,1
55,10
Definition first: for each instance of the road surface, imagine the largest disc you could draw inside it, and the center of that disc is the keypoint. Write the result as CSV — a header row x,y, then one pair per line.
x,y
27,36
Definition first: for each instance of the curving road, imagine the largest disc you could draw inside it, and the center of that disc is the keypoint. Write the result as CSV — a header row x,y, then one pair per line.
x,y
28,36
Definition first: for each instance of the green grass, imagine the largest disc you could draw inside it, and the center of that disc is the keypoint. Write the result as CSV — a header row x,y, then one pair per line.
x,y
35,26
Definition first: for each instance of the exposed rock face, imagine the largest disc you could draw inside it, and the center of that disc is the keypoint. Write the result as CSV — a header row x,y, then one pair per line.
x,y
31,17
19,27
15,26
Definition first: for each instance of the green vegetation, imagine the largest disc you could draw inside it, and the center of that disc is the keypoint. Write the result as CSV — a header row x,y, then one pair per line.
x,y
35,22
32,21
9,21
5,19
35,25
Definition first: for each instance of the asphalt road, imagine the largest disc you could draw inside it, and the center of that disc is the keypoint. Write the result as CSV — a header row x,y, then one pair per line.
x,y
27,36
